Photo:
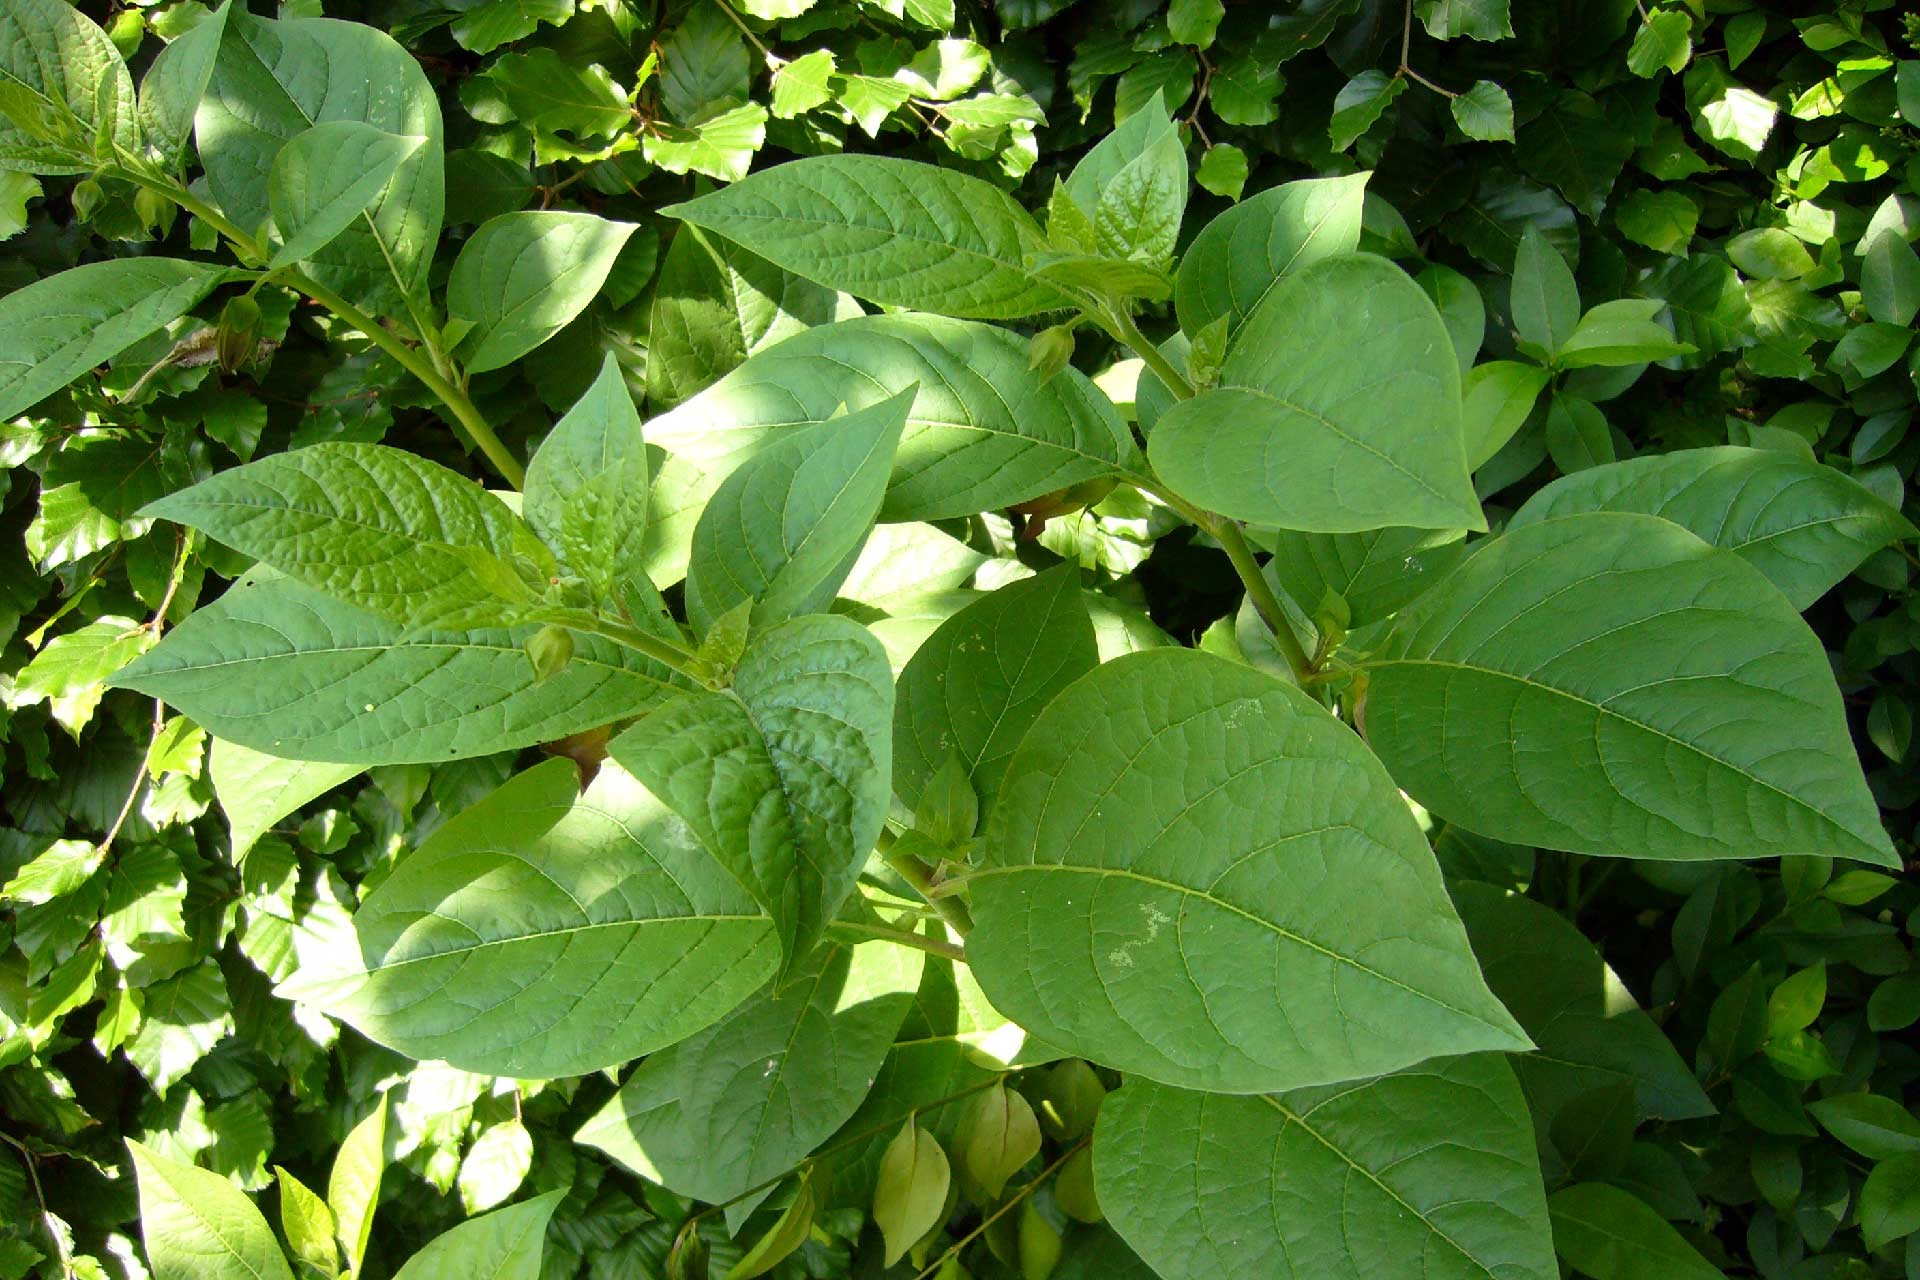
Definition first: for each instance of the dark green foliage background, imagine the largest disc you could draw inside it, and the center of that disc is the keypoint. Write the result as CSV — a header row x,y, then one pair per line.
x,y
1734,171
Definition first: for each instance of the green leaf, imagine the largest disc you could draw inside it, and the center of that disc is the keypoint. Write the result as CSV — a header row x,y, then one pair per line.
x,y
280,668
503,1245
783,776
1344,1182
325,179
1194,21
1198,935
1240,256
803,84
1664,40
910,1196
542,934
1890,1201
487,26
495,1166
1578,145
1873,1124
1375,573
1495,399
703,61
1660,220
60,67
1590,1032
1484,112
985,432
307,1223
15,190
1611,1234
59,869
890,231
1608,683
1730,116
984,675
783,530
257,790
742,1102
1769,253
1338,410
523,276
1546,302
714,305
353,1185
198,1226
1620,333
375,527
720,146
1890,280
1133,185
1804,525
1223,170
58,328
1475,19
793,1228
1578,437
171,90
547,92
1797,1001
275,80
1359,104
586,489
71,672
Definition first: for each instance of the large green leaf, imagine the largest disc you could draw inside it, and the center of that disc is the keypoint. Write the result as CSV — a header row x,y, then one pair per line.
x,y
784,776
376,527
1196,874
1804,525
1589,1031
280,668
586,490
1611,1234
198,1226
783,530
545,933
1240,256
1338,410
524,276
171,90
58,67
275,80
1608,683
353,1184
984,675
890,231
742,1102
714,305
985,431
1428,1171
325,179
506,1244
56,329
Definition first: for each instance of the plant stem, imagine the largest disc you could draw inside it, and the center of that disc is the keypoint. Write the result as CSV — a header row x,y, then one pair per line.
x,y
250,252
1265,603
421,367
918,941
921,876
1118,323
662,651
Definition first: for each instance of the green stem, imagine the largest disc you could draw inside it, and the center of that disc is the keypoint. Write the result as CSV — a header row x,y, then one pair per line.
x,y
662,651
1118,323
921,876
919,941
250,252
421,367
1265,603
1021,1194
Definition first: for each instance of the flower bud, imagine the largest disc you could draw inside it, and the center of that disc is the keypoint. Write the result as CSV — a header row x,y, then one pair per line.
x,y
238,334
88,196
1050,350
549,649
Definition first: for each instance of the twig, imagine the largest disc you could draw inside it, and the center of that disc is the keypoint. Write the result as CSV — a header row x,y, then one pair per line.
x,y
919,941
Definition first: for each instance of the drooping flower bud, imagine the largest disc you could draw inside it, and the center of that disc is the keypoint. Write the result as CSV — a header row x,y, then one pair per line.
x,y
549,650
239,332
